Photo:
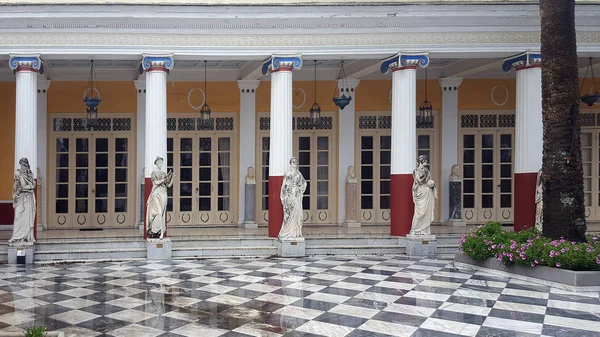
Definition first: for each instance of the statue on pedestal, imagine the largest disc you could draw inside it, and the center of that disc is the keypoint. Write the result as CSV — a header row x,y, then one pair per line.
x,y
424,193
351,183
249,196
157,202
250,179
292,190
539,202
24,204
455,193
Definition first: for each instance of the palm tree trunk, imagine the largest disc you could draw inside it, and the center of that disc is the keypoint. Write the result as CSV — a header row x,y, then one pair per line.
x,y
564,209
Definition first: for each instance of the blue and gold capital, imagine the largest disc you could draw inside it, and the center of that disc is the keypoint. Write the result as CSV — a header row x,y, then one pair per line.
x,y
279,62
400,61
31,62
156,62
524,60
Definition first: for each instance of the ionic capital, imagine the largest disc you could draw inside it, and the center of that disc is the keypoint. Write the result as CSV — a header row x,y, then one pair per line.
x,y
152,62
29,62
405,61
522,61
282,63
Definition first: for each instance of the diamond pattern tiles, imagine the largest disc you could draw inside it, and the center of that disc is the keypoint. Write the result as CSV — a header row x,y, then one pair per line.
x,y
324,296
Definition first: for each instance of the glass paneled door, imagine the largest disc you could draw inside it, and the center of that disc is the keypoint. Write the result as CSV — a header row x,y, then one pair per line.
x,y
315,160
203,191
92,186
487,166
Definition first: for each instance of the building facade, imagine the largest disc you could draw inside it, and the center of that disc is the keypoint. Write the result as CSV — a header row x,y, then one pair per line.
x,y
483,80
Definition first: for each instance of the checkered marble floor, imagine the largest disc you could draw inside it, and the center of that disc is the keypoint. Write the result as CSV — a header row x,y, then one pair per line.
x,y
323,296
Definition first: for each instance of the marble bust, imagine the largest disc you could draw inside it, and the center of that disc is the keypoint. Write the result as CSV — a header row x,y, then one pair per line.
x,y
250,178
539,202
424,192
351,177
24,204
455,173
292,190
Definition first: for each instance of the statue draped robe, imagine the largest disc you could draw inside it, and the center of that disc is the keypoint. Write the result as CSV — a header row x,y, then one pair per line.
x,y
157,203
24,205
424,199
292,190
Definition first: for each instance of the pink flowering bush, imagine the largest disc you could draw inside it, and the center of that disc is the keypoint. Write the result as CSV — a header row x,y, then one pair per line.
x,y
530,248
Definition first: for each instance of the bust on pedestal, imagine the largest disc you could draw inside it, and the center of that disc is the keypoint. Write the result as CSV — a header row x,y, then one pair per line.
x,y
157,246
249,197
420,242
291,243
20,245
351,189
455,195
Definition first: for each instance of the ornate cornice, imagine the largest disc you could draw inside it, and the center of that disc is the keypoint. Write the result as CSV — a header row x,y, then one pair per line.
x,y
282,62
401,61
31,62
156,62
522,61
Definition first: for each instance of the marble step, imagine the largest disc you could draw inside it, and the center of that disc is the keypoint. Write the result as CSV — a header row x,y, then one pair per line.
x,y
3,253
315,242
58,245
225,251
354,249
113,254
222,242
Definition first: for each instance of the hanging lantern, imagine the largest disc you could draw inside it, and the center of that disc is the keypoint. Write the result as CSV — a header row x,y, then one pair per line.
x,y
315,109
205,112
593,97
425,110
342,100
91,98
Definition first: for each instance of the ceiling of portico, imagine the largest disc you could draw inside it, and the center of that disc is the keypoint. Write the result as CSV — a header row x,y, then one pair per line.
x,y
123,69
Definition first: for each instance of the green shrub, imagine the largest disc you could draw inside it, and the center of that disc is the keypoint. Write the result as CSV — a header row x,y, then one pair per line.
x,y
36,331
530,248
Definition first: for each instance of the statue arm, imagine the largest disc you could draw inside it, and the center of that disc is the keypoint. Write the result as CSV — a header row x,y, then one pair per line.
x,y
155,180
25,184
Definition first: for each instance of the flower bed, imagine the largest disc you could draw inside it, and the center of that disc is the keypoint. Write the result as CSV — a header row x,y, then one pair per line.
x,y
530,248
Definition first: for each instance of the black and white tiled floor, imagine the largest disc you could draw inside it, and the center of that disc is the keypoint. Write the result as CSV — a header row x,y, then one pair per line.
x,y
323,296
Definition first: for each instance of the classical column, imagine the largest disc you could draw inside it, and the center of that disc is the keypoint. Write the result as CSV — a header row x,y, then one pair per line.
x,y
528,135
156,68
140,86
26,68
42,127
247,147
450,87
280,68
346,148
404,137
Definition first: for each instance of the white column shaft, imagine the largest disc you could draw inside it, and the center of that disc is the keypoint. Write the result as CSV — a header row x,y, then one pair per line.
x,y
26,119
449,137
141,142
528,124
281,122
247,141
156,119
404,128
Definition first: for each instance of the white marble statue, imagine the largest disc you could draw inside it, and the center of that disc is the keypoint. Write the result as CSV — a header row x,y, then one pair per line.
x,y
24,204
292,190
250,178
157,202
539,202
351,177
455,173
424,193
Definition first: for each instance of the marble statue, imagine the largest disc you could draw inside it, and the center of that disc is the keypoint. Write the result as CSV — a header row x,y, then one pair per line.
x,y
250,178
24,204
455,173
351,188
424,193
157,202
539,202
292,190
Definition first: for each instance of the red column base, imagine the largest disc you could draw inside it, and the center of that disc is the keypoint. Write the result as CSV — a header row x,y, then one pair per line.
x,y
401,204
524,194
275,206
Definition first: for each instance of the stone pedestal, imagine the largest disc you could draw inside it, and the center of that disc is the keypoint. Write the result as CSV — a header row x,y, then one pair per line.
x,y
350,216
249,221
157,249
421,245
455,193
21,253
289,248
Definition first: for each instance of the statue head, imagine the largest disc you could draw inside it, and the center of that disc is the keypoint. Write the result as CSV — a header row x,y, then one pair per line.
x,y
158,161
294,163
351,172
422,160
455,170
250,172
24,163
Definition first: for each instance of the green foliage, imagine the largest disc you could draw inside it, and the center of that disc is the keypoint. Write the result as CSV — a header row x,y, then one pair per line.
x,y
36,331
530,248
